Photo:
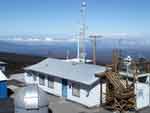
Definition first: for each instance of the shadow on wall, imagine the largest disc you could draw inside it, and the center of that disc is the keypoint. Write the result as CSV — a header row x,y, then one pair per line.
x,y
50,111
10,92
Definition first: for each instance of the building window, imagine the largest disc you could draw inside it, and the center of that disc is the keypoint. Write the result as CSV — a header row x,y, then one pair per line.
x,y
76,90
34,74
2,68
34,77
29,74
42,80
51,83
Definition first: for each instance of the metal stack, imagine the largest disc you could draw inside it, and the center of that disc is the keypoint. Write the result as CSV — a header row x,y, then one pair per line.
x,y
81,46
31,99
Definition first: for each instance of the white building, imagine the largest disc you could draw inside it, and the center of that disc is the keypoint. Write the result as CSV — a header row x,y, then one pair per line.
x,y
142,91
3,86
3,66
73,81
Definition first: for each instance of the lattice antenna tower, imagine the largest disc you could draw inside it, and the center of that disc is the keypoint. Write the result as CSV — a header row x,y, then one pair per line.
x,y
81,46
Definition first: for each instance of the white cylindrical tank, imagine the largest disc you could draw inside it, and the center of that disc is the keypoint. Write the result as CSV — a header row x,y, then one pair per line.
x,y
31,99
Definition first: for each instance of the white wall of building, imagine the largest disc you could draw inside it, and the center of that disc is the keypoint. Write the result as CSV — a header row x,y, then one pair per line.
x,y
89,99
56,90
142,91
57,86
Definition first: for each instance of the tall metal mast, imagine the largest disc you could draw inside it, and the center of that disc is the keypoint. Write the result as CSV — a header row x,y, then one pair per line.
x,y
81,46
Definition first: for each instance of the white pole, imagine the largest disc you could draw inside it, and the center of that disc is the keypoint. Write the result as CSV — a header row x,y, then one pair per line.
x,y
78,49
127,71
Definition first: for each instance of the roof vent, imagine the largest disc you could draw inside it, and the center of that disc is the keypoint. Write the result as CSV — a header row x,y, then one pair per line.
x,y
74,63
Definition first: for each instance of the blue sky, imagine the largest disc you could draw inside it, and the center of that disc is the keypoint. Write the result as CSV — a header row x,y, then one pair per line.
x,y
62,16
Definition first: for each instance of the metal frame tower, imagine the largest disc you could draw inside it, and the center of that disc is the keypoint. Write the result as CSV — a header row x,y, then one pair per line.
x,y
81,46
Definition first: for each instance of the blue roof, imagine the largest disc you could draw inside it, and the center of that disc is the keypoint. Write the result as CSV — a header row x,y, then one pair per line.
x,y
80,72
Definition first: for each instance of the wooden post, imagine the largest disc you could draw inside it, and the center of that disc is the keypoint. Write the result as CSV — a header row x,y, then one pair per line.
x,y
135,83
115,60
94,37
94,51
101,92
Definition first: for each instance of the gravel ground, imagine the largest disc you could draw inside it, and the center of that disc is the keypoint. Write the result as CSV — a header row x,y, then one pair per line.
x,y
6,106
60,105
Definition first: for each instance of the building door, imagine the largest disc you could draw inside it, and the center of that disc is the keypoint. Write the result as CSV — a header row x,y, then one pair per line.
x,y
64,87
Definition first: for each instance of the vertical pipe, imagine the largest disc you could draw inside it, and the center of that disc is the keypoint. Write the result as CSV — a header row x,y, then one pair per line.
x,y
78,49
95,50
127,71
100,91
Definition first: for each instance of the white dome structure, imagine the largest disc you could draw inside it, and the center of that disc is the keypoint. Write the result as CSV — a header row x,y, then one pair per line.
x,y
31,99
